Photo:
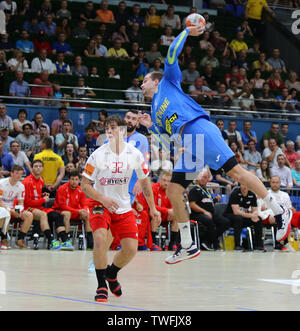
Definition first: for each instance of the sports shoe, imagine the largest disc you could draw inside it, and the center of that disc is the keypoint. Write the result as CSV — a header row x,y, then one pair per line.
x,y
21,244
156,248
5,243
101,294
287,248
182,254
3,248
67,246
283,224
55,245
172,247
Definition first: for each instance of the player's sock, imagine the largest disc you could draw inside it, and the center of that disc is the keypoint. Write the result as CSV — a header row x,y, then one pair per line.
x,y
48,234
102,292
21,235
272,204
154,237
185,234
2,235
174,237
111,277
90,240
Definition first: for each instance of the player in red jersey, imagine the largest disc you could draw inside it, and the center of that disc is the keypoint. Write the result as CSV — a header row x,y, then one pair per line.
x,y
34,201
72,203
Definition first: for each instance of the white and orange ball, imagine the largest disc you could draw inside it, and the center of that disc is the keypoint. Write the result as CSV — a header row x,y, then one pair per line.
x,y
195,20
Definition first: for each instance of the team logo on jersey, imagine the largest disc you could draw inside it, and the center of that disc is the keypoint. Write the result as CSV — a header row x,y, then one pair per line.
x,y
98,210
113,181
169,121
89,169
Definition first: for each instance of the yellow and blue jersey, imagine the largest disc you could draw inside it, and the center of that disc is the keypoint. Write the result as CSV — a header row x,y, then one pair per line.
x,y
171,108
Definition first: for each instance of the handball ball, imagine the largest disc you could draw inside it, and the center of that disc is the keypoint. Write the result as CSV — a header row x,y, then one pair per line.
x,y
195,20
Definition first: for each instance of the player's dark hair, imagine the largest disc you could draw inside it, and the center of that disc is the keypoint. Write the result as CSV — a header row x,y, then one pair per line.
x,y
48,142
115,119
74,174
16,167
156,75
37,161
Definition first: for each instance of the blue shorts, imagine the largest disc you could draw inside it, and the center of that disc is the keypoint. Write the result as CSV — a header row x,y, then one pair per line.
x,y
203,145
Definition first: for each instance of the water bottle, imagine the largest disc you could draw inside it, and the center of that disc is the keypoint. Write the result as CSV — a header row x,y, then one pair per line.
x,y
163,241
36,241
80,242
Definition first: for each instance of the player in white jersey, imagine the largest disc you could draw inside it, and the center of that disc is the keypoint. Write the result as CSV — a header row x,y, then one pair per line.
x,y
12,189
110,167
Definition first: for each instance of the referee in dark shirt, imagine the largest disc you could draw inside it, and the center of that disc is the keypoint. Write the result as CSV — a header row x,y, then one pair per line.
x,y
242,212
202,208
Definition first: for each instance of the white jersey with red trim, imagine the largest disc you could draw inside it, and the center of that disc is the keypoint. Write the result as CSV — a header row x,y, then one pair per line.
x,y
9,193
111,172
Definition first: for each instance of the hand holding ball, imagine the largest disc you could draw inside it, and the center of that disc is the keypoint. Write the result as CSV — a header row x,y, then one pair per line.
x,y
195,20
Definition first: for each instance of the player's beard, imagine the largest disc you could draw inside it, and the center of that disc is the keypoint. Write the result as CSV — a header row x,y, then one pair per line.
x,y
130,128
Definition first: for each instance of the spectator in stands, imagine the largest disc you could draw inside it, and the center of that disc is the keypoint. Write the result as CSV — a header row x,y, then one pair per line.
x,y
63,26
164,206
247,100
24,44
228,56
105,15
234,135
5,120
69,155
82,158
111,73
121,34
189,75
290,153
121,14
238,43
46,9
91,49
89,14
271,152
275,81
257,81
19,88
54,169
298,144
264,172
162,163
200,92
153,54
220,125
210,59
42,63
245,28
60,45
285,102
273,133
222,99
134,92
234,92
248,134
82,91
6,161
152,20
37,122
94,72
157,66
27,140
57,125
62,139
296,174
28,10
140,64
241,60
136,16
285,132
167,38
276,62
282,171
44,91
261,63
41,43
117,51
242,212
209,77
238,155
18,62
78,69
48,25
256,49
9,5
32,25
244,79
42,134
81,31
292,81
235,76
63,11
134,34
186,56
253,13
101,49
62,68
210,26
20,121
252,157
7,45
204,42
170,19
217,41
19,157
10,25
266,97
88,140
6,139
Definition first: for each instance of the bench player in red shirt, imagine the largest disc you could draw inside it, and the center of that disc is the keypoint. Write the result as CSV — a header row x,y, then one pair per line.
x,y
72,203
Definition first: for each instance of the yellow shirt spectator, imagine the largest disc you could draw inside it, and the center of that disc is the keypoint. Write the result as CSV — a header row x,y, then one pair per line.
x,y
121,52
255,8
238,45
52,164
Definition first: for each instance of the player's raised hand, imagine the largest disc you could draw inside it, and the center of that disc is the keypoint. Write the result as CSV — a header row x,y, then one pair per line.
x,y
145,119
196,31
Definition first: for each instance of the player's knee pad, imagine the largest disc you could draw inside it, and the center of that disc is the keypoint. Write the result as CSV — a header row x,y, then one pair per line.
x,y
56,218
